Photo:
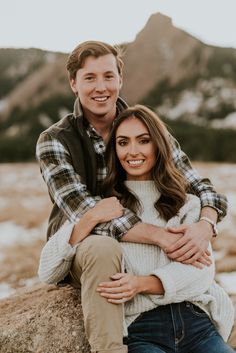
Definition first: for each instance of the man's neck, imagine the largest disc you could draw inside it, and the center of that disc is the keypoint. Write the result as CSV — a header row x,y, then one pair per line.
x,y
102,124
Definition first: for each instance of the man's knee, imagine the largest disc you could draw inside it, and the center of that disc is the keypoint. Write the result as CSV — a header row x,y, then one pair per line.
x,y
97,248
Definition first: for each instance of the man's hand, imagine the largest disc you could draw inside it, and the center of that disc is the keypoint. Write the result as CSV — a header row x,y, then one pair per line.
x,y
105,210
192,246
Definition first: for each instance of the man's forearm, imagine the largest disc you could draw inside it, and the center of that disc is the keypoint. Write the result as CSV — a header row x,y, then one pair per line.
x,y
209,212
149,234
142,233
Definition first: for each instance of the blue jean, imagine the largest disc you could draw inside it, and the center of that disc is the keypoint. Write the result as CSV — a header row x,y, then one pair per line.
x,y
175,328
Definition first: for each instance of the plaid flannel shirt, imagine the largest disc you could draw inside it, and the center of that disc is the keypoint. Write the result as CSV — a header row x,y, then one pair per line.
x,y
72,196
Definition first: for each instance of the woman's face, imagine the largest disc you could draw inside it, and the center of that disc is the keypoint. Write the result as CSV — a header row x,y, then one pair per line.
x,y
135,149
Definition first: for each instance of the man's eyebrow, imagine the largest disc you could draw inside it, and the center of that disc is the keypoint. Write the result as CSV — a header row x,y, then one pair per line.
x,y
89,73
141,135
94,73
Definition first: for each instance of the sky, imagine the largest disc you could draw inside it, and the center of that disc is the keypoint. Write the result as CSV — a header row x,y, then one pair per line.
x,y
59,25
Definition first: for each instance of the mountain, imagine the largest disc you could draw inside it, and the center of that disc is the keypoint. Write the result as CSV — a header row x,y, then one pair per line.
x,y
190,84
160,51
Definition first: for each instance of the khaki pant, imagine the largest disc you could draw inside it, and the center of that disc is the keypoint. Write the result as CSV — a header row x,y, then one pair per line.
x,y
97,258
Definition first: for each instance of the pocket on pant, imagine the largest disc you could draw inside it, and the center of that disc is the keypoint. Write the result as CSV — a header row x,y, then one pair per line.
x,y
196,310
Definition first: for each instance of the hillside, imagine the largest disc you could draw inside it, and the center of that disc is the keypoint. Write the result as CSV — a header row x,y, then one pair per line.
x,y
191,85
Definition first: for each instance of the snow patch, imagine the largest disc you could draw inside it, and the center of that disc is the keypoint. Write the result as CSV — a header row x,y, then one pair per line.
x,y
11,233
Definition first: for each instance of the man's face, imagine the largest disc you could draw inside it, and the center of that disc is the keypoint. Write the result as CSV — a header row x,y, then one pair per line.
x,y
97,85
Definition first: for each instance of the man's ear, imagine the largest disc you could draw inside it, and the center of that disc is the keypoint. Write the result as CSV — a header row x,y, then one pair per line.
x,y
121,81
73,85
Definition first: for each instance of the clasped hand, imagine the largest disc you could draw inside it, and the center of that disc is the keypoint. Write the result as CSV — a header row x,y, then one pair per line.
x,y
191,244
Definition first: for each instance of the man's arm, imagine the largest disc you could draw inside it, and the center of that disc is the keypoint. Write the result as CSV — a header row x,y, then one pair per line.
x,y
202,187
69,192
213,205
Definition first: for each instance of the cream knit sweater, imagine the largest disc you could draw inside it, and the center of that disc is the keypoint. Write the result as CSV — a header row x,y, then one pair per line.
x,y
181,282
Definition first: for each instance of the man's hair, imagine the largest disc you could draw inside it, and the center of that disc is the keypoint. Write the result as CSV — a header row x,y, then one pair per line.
x,y
91,48
168,180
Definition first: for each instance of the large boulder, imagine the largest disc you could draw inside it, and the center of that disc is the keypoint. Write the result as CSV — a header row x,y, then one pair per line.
x,y
43,319
47,319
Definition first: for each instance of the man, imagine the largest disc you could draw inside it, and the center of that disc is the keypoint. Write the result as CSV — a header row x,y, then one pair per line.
x,y
71,157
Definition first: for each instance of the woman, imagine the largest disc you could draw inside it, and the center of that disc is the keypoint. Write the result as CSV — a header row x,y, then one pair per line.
x,y
169,306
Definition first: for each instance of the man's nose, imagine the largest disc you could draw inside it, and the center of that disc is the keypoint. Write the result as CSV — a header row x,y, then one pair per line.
x,y
100,85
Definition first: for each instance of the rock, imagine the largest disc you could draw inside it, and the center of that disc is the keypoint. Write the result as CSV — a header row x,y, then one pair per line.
x,y
43,319
47,319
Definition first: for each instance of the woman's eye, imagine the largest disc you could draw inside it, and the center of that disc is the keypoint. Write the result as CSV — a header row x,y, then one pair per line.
x,y
144,141
122,143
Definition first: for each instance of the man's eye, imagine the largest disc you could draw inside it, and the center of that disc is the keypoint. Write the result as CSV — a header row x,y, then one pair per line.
x,y
109,77
89,78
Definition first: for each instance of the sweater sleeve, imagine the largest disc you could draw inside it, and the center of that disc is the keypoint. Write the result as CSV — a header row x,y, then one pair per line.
x,y
57,255
180,281
183,282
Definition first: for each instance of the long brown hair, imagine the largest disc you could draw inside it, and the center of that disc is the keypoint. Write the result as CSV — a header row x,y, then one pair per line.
x,y
171,184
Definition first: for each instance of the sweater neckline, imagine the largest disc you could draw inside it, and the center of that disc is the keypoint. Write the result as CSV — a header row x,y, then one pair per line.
x,y
143,188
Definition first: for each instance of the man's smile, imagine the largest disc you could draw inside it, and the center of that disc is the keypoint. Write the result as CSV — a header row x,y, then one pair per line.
x,y
101,98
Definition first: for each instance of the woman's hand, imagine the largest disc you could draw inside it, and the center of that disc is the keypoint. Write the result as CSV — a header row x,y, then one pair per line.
x,y
122,288
125,286
106,209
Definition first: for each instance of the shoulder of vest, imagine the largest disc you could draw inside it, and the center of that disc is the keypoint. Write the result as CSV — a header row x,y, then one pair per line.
x,y
65,125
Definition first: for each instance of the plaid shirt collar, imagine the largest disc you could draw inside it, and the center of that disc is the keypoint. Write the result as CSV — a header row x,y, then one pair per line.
x,y
82,122
78,110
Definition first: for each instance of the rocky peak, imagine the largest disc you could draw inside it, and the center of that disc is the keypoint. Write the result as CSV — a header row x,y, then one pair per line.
x,y
160,47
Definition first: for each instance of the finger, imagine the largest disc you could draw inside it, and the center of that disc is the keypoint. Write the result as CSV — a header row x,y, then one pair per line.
x,y
194,258
177,245
187,255
205,261
118,301
115,295
180,251
117,276
111,290
110,284
197,264
180,229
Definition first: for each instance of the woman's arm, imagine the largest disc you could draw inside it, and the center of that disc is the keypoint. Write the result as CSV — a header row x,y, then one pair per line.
x,y
183,282
58,253
172,283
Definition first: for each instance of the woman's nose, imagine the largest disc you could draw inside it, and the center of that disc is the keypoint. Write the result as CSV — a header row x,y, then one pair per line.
x,y
133,149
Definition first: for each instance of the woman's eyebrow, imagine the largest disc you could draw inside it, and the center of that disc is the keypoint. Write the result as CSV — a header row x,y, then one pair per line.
x,y
141,135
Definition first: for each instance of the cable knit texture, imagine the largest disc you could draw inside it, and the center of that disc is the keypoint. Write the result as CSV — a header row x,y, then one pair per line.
x,y
181,282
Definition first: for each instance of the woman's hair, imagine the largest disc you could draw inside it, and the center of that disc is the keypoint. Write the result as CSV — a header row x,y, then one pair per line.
x,y
91,48
171,184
